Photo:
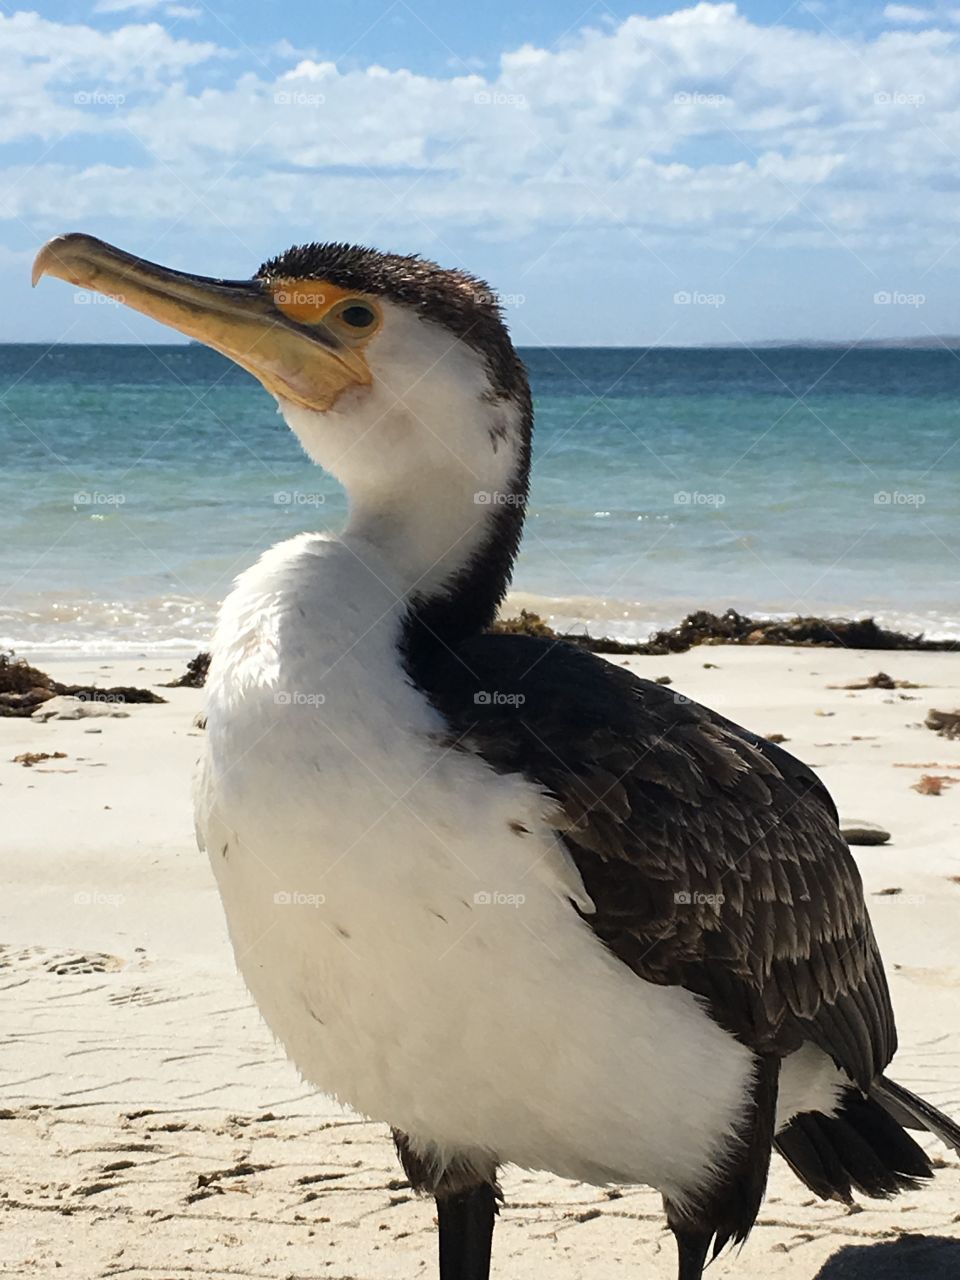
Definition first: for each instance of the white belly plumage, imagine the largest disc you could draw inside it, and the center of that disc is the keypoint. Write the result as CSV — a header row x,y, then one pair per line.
x,y
402,914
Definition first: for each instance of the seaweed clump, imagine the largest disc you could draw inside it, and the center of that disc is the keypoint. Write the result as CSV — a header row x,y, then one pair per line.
x,y
732,627
195,676
704,627
23,688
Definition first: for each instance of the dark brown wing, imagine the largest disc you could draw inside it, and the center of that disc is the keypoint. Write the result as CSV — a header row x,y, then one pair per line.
x,y
713,857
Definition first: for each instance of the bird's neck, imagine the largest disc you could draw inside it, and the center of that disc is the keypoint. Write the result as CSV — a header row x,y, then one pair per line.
x,y
449,547
437,484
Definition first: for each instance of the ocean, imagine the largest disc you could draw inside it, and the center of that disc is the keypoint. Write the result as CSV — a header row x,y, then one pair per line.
x,y
137,481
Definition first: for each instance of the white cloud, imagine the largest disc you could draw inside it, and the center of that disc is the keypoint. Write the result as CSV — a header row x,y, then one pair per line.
x,y
170,8
907,13
84,79
695,127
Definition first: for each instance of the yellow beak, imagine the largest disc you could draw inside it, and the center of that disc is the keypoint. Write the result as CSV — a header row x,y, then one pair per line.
x,y
295,362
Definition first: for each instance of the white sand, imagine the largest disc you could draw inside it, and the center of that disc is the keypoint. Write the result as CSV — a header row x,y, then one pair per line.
x,y
152,1129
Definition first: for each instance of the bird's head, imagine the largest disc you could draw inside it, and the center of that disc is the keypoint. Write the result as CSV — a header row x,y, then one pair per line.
x,y
397,376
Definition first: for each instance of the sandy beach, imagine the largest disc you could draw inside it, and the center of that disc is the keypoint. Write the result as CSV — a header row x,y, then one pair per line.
x,y
151,1128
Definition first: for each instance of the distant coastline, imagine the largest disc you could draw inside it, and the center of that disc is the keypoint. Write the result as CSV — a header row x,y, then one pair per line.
x,y
931,342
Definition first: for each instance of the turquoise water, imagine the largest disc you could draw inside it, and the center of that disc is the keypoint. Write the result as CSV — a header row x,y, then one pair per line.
x,y
137,481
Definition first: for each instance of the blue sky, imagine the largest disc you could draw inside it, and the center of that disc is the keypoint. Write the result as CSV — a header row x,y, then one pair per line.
x,y
620,174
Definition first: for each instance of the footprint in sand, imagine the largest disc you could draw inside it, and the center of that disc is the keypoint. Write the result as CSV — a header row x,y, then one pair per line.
x,y
61,963
935,977
143,995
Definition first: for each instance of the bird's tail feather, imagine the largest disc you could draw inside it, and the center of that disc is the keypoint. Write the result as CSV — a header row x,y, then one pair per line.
x,y
858,1148
914,1112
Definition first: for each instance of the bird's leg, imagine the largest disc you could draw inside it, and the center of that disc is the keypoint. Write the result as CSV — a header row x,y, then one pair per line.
x,y
466,1232
692,1246
466,1191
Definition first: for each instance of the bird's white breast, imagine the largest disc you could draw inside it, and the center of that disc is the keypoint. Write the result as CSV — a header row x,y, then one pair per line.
x,y
402,914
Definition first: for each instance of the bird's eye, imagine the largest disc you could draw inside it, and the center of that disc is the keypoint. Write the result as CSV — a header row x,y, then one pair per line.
x,y
356,315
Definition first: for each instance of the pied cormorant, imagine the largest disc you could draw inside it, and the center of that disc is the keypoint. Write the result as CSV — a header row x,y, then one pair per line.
x,y
491,889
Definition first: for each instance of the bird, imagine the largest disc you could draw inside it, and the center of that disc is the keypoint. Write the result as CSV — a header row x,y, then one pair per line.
x,y
518,903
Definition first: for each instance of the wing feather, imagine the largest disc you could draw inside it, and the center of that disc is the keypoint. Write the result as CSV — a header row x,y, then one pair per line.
x,y
713,857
